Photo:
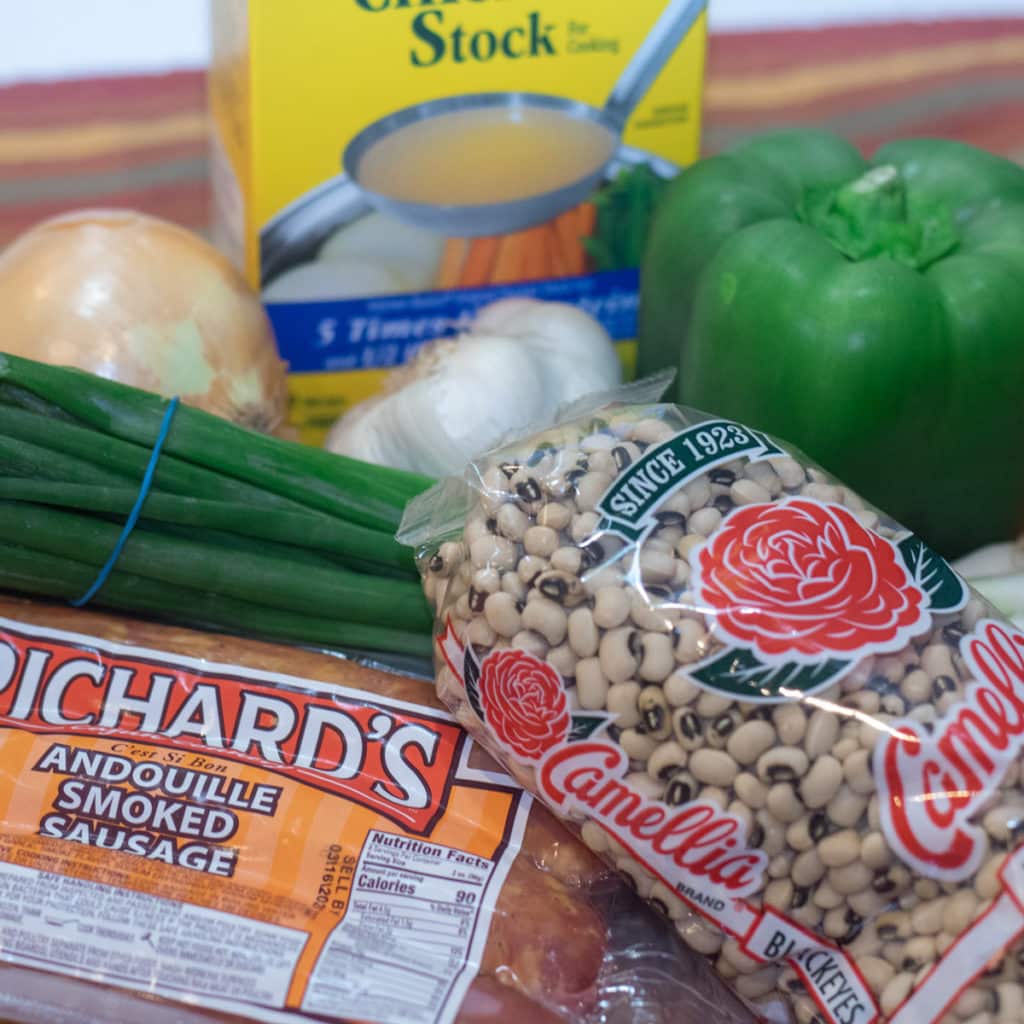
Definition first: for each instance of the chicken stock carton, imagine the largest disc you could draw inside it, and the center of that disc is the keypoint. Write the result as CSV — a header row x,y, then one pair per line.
x,y
384,168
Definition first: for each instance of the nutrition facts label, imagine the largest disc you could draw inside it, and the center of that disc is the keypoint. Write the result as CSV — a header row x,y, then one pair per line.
x,y
411,938
124,937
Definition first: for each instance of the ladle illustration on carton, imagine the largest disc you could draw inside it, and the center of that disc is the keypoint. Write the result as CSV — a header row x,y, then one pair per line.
x,y
349,190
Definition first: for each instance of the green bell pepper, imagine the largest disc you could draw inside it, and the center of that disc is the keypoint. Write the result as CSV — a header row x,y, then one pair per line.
x,y
869,312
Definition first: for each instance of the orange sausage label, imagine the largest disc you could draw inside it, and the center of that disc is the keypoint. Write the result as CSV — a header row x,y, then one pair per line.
x,y
250,842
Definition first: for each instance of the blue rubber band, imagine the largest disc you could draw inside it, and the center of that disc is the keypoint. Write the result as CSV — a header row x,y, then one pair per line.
x,y
133,516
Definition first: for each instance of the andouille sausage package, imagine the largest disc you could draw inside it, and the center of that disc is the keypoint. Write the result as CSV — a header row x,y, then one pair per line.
x,y
196,828
786,720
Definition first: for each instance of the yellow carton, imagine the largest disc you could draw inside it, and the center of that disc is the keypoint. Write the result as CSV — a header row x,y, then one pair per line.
x,y
383,168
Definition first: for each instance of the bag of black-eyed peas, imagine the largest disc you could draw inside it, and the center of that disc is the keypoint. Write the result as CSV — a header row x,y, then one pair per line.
x,y
779,713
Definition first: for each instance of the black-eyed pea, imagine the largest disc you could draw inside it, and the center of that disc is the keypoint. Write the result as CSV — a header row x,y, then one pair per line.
x,y
595,837
1004,822
896,991
823,492
808,831
986,881
808,869
748,492
665,760
582,633
686,544
958,911
502,613
583,526
563,659
1009,1003
750,740
533,643
492,551
642,783
867,702
705,521
511,584
682,788
654,713
636,878
714,795
845,747
875,852
740,810
650,431
687,727
715,767
874,812
826,897
866,943
782,764
557,516
751,790
916,687
867,902
649,615
658,659
763,474
480,633
691,641
711,705
726,971
560,587
667,902
926,889
590,488
780,865
822,733
926,918
591,684
840,848
770,834
622,703
680,689
758,983
701,937
656,565
783,803
822,782
851,878
790,723
547,618
530,567
611,607
462,609
836,922
698,491
721,727
637,744
788,470
511,521
876,972
857,772
973,1001
619,651
681,575
893,882
486,581
937,660
874,729
778,893
893,926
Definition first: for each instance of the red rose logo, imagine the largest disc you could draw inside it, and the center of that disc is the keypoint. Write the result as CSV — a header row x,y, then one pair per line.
x,y
524,702
805,579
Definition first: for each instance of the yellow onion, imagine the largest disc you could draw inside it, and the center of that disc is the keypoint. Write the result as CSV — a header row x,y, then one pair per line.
x,y
139,300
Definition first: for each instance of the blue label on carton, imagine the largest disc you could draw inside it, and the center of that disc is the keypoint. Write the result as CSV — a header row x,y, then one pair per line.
x,y
377,333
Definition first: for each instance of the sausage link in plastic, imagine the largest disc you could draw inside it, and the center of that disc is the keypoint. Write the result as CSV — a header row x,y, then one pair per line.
x,y
195,827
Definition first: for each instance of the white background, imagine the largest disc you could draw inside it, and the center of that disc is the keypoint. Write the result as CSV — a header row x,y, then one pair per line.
x,y
42,39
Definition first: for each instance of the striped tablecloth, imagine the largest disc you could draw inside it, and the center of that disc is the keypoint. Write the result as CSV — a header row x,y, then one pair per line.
x,y
141,141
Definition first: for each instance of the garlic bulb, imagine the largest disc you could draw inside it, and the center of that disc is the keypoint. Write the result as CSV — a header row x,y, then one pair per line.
x,y
520,361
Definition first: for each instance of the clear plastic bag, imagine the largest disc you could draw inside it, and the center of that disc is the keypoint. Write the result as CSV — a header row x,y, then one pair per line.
x,y
200,828
784,718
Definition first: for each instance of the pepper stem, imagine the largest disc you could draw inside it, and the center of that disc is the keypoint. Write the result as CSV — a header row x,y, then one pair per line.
x,y
870,217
